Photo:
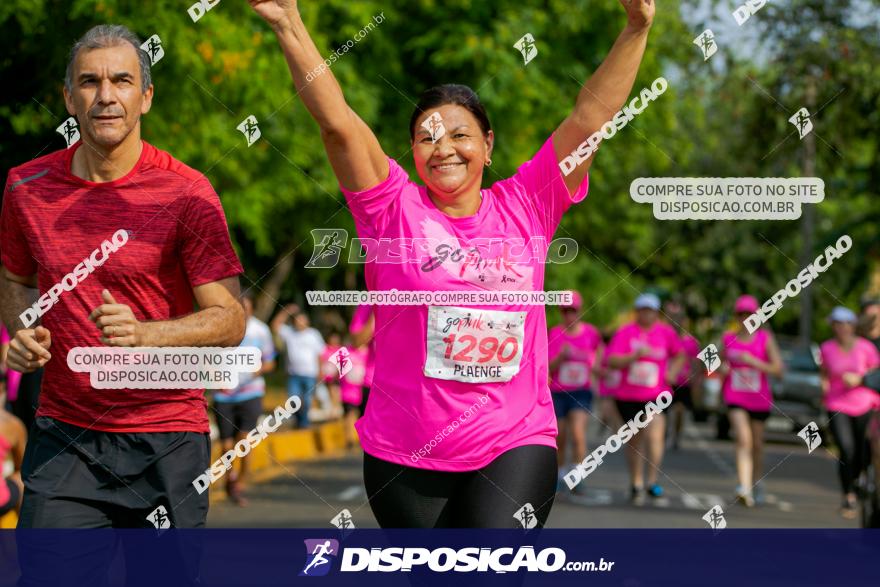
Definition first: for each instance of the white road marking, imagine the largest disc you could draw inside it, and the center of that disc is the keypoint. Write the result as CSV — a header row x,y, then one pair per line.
x,y
350,493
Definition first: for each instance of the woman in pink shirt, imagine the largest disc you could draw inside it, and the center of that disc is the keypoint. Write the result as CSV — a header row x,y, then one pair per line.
x,y
845,360
459,429
649,353
575,350
747,361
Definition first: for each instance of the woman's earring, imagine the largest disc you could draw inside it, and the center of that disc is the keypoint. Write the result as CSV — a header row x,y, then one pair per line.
x,y
489,163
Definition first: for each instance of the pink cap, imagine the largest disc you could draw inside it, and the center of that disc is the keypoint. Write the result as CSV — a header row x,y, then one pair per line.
x,y
745,304
576,301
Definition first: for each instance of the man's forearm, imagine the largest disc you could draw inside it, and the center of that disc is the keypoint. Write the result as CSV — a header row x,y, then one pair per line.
x,y
221,327
603,95
15,298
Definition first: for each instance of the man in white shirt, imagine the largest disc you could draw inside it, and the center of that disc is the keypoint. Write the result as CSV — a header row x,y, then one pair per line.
x,y
304,346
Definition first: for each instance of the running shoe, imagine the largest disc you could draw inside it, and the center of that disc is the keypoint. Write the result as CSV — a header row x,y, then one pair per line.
x,y
759,493
637,495
849,509
744,497
655,491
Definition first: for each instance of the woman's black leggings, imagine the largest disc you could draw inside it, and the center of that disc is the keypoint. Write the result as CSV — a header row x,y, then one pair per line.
x,y
405,497
849,435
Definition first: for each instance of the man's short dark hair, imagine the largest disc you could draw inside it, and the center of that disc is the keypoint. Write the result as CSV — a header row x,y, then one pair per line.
x,y
102,37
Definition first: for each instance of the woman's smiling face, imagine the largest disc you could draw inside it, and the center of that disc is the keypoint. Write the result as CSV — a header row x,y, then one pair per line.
x,y
453,165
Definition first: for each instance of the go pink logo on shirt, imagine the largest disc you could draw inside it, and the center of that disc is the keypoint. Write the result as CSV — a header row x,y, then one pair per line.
x,y
438,249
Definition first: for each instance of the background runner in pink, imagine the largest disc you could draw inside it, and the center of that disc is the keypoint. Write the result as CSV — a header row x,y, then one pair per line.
x,y
575,371
407,406
645,378
745,386
861,358
747,360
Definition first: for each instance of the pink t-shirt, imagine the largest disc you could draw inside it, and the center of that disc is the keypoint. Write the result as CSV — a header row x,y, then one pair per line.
x,y
611,381
329,372
358,321
691,348
861,358
643,380
436,363
575,372
13,378
351,384
745,386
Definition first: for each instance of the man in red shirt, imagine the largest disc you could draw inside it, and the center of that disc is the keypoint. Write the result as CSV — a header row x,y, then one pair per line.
x,y
131,236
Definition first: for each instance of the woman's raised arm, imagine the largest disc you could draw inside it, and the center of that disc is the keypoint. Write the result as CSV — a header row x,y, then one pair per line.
x,y
602,96
354,152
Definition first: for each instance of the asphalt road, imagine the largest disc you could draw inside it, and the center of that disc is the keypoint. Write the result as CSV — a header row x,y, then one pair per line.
x,y
802,491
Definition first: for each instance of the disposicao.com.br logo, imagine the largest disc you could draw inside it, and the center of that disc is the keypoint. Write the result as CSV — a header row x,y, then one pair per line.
x,y
322,551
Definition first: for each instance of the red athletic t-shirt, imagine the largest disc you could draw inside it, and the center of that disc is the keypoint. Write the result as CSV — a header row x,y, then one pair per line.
x,y
52,220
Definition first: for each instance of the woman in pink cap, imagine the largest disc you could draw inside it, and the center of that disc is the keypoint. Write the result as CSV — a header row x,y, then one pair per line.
x,y
648,352
575,350
747,361
845,360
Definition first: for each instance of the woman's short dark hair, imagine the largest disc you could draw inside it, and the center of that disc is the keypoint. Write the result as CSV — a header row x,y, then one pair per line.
x,y
450,94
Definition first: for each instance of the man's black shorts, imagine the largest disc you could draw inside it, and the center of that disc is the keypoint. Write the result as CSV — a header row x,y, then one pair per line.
x,y
80,478
237,417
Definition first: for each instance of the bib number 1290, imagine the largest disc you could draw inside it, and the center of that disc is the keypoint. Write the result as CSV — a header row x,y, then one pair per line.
x,y
473,345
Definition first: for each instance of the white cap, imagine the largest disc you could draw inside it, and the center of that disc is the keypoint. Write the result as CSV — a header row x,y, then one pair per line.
x,y
647,301
841,314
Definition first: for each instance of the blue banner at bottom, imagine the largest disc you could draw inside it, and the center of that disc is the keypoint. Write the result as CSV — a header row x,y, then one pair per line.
x,y
166,558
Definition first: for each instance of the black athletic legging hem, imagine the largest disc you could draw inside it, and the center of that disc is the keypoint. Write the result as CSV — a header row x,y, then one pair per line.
x,y
490,497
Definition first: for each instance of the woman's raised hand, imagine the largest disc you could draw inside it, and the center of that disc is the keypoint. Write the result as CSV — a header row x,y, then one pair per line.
x,y
274,11
640,13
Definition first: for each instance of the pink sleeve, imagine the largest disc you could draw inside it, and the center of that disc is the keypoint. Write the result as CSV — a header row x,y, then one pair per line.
x,y
4,335
360,318
370,207
545,189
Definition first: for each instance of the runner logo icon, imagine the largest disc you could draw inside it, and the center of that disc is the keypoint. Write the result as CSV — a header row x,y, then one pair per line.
x,y
159,518
706,43
250,130
69,130
710,358
715,518
810,434
319,556
526,516
526,46
153,48
434,126
329,243
343,520
801,121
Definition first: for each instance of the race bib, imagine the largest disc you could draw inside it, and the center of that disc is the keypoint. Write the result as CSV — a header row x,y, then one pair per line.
x,y
572,374
745,379
644,374
474,345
